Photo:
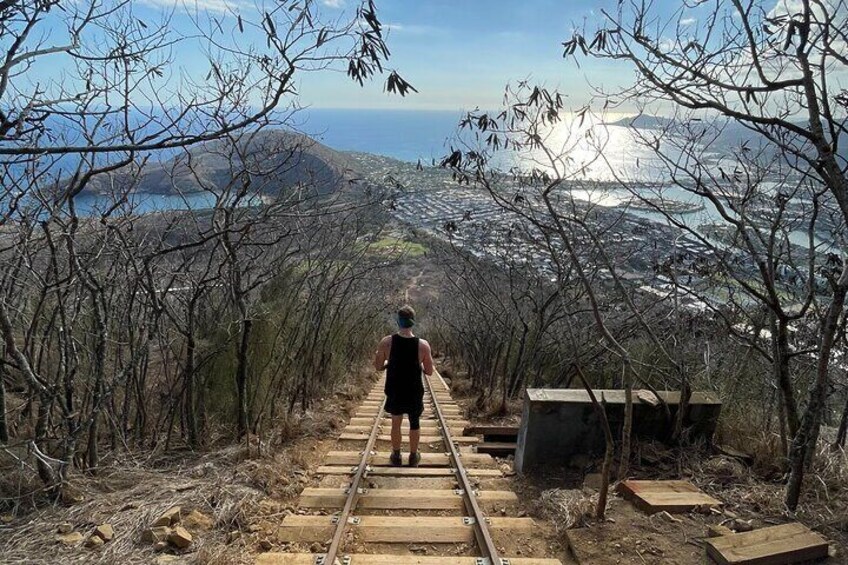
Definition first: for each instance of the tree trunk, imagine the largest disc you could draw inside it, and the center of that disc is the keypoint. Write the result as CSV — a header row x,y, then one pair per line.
x,y
242,415
784,439
190,383
609,443
780,368
801,447
682,410
92,453
843,427
627,428
4,428
45,471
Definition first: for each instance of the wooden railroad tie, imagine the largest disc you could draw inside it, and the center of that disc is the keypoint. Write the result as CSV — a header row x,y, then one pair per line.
x,y
454,423
381,458
375,559
405,438
407,471
411,499
398,529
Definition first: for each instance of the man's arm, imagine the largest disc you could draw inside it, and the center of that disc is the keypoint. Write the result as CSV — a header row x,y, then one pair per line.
x,y
426,357
382,354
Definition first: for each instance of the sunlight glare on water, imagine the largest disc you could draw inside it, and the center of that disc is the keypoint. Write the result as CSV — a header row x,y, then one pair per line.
x,y
597,150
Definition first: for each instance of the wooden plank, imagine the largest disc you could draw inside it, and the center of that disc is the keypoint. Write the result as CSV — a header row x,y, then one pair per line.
x,y
775,545
668,496
305,528
375,405
498,448
371,559
405,438
387,420
676,502
285,559
407,471
381,458
492,430
426,430
397,529
635,487
426,415
400,499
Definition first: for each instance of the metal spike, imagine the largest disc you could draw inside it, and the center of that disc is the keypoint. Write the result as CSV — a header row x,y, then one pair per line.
x,y
468,520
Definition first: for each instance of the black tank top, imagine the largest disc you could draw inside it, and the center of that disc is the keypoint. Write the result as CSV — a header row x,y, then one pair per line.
x,y
403,373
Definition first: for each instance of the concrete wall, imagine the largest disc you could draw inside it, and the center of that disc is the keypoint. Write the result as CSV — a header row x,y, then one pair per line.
x,y
557,424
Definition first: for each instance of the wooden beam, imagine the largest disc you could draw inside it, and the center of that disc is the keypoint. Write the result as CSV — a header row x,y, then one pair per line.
x,y
400,499
372,559
407,471
668,496
775,545
405,438
381,458
452,422
496,448
430,430
492,430
398,529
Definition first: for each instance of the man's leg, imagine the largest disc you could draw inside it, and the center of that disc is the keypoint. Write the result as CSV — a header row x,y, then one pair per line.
x,y
396,459
396,435
414,437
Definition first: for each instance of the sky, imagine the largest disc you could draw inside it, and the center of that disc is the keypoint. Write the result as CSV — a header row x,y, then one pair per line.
x,y
459,54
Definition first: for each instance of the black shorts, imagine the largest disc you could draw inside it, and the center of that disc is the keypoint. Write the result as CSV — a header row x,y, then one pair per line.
x,y
398,406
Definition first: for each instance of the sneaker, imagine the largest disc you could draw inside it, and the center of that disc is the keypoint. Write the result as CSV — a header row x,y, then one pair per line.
x,y
414,459
396,460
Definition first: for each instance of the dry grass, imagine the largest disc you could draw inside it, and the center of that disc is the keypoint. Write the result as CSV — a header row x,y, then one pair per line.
x,y
567,508
756,493
234,486
138,497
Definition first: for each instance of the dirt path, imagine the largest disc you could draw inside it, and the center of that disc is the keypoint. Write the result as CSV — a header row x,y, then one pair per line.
x,y
413,282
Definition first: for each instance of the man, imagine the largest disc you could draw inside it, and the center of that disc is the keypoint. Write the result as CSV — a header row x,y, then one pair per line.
x,y
406,355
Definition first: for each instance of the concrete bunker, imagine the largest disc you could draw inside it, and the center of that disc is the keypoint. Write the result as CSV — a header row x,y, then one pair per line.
x,y
557,424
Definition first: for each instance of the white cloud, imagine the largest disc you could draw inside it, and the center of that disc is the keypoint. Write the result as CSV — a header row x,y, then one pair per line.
x,y
410,29
333,3
687,21
219,6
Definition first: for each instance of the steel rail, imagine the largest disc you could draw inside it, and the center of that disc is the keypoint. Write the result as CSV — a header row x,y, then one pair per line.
x,y
481,527
329,558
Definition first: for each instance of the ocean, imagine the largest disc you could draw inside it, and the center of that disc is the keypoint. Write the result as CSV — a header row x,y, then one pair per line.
x,y
407,135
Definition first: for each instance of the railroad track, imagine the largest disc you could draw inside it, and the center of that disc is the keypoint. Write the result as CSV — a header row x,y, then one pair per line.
x,y
368,512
